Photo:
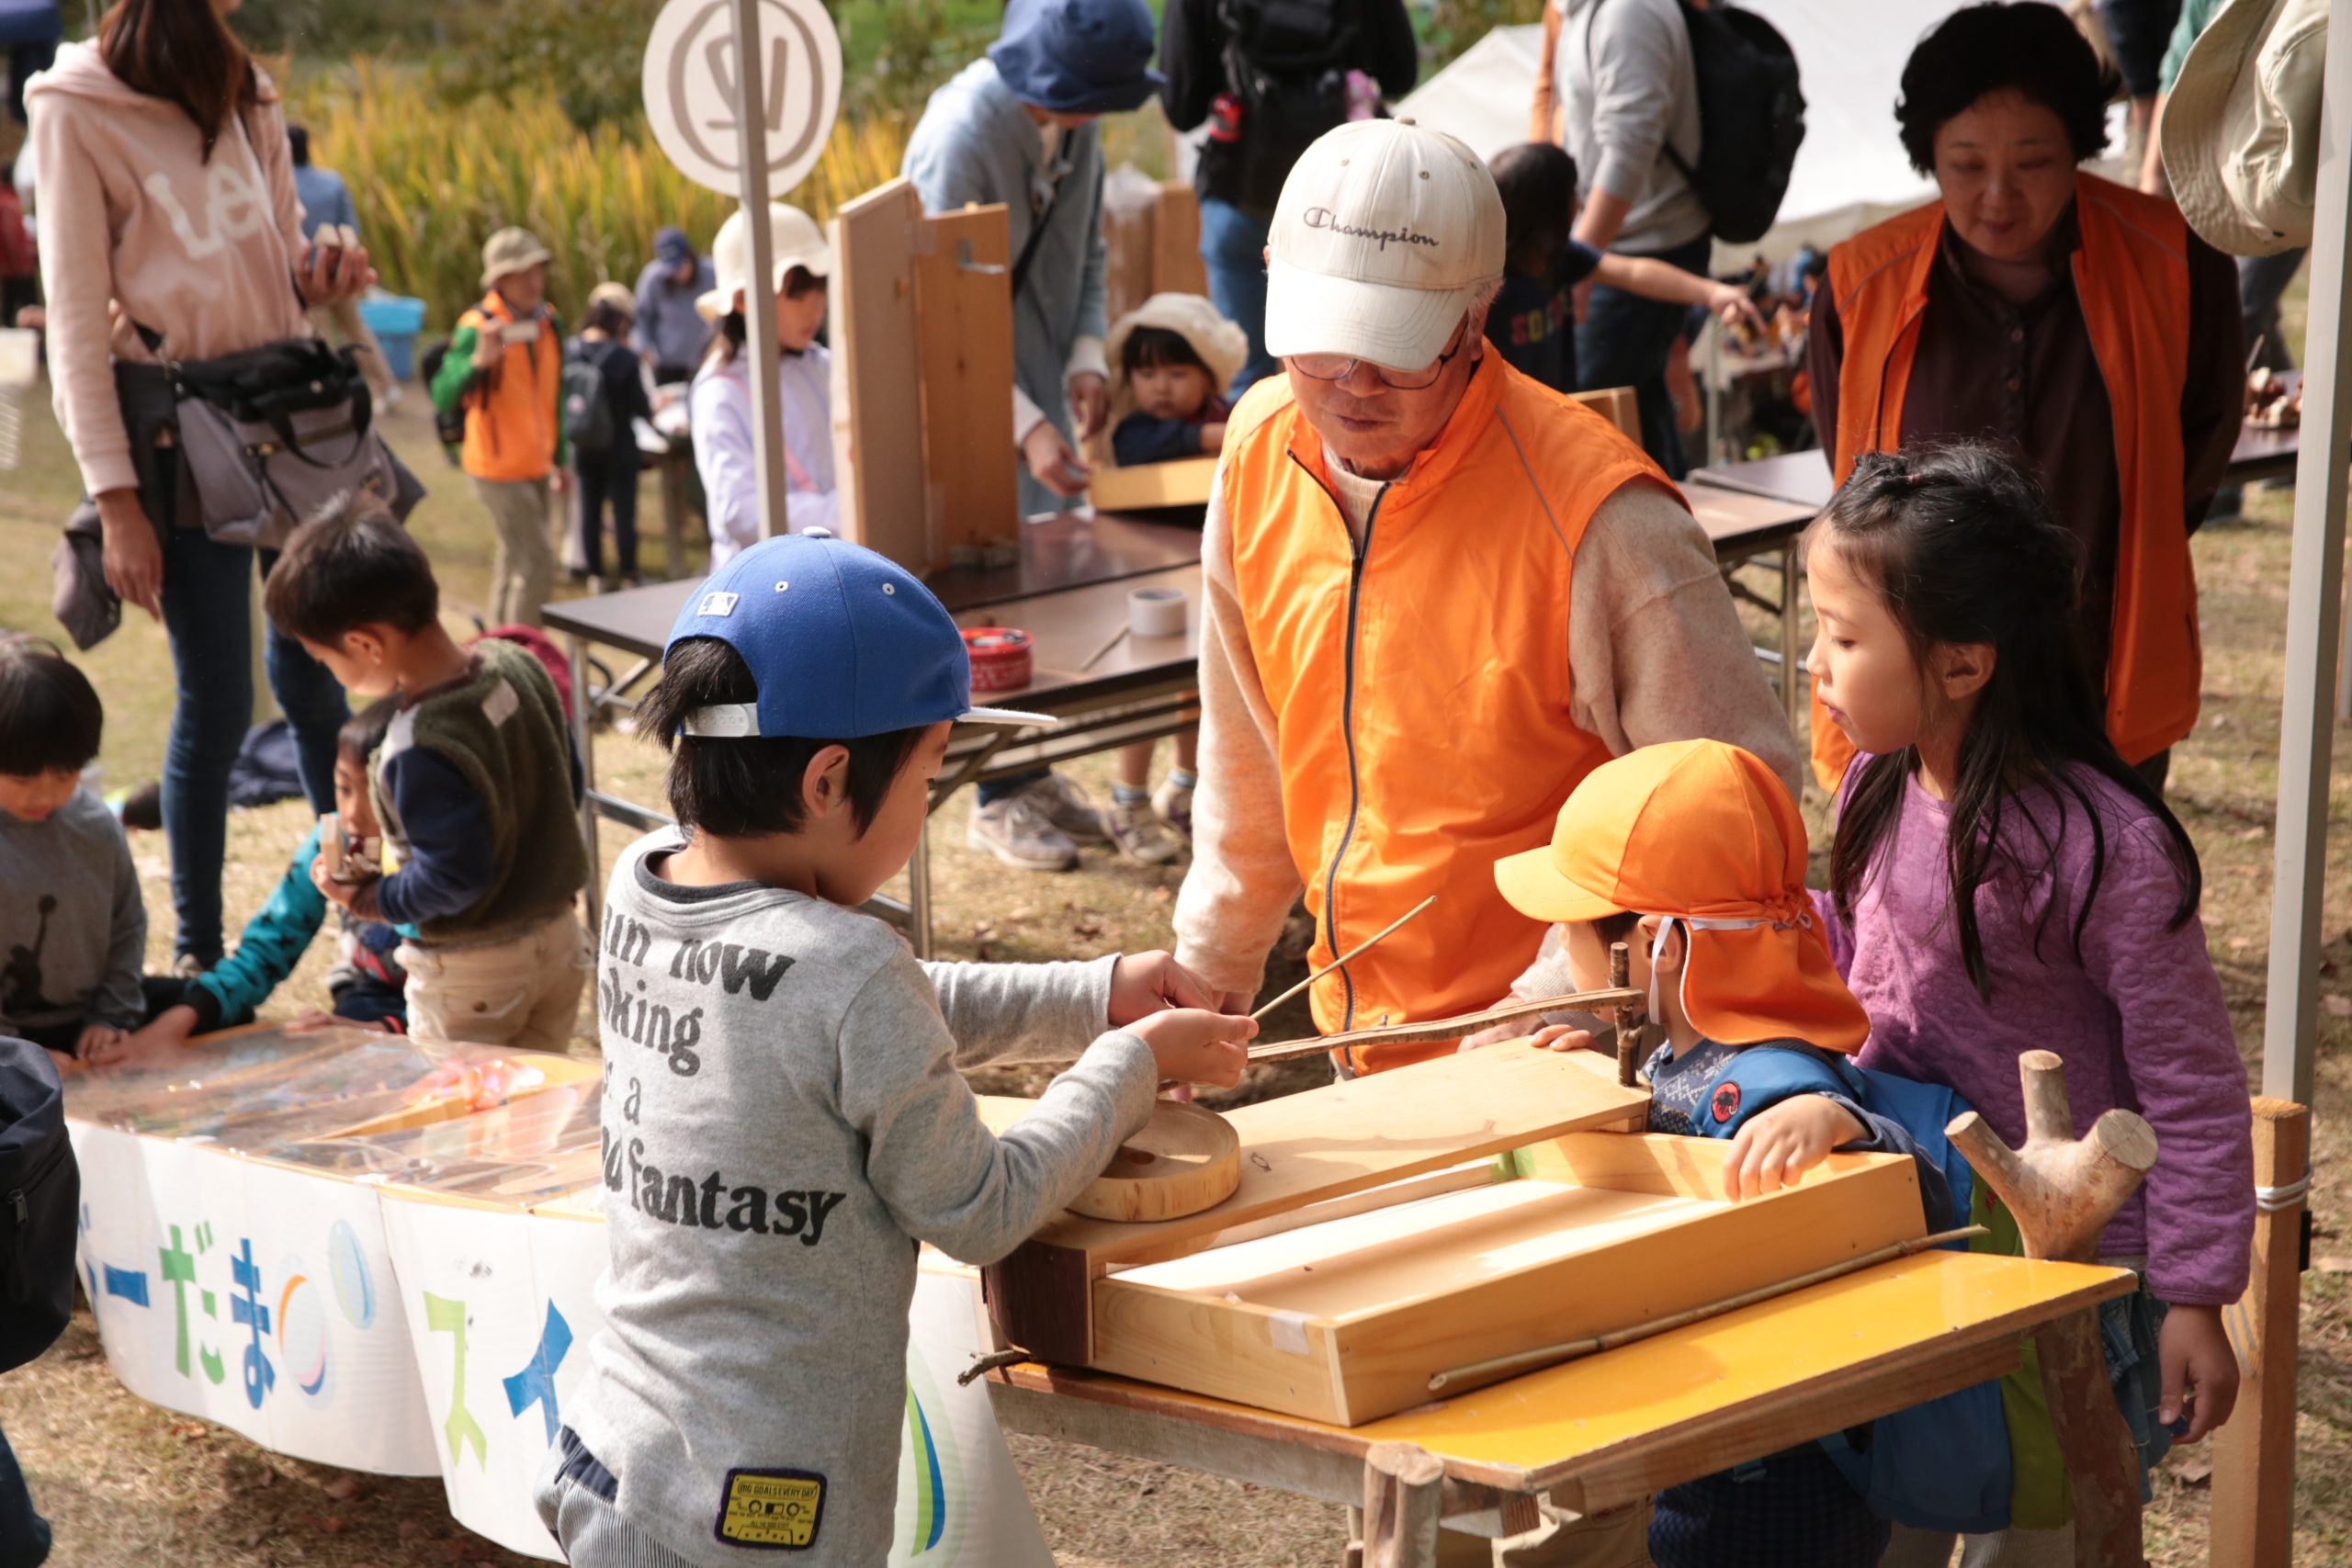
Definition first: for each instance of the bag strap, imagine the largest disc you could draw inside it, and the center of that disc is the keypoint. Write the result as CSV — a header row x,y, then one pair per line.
x,y
1036,236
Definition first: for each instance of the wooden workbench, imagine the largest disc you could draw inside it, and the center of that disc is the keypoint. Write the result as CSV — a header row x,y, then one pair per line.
x,y
1608,1430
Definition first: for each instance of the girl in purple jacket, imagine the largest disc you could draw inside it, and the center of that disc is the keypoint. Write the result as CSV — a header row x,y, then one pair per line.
x,y
2002,880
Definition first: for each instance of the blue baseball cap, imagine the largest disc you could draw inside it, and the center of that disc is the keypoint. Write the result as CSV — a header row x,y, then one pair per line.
x,y
1077,56
841,642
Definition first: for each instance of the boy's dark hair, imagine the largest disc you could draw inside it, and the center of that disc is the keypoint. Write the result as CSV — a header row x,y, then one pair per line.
x,y
1150,348
363,733
747,788
297,139
2028,47
605,316
1538,181
50,717
1616,927
351,566
1961,545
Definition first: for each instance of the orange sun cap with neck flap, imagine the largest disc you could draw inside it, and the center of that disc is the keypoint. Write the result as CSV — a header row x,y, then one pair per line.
x,y
1704,835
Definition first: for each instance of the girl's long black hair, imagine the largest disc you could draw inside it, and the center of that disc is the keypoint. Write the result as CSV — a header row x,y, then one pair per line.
x,y
1962,545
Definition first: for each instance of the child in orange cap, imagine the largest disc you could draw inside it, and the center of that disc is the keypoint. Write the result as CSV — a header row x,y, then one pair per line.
x,y
1696,845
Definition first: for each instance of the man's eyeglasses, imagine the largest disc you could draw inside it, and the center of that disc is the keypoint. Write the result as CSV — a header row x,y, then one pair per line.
x,y
1340,367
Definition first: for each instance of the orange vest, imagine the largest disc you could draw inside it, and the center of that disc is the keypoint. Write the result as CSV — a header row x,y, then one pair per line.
x,y
510,422
2131,276
1419,684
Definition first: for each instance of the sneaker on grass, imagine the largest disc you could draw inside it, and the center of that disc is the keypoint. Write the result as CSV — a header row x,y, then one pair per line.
x,y
1140,834
1173,803
1018,832
1072,810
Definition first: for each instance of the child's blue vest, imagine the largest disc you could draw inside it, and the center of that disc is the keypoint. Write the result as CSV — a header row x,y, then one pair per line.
x,y
1944,1465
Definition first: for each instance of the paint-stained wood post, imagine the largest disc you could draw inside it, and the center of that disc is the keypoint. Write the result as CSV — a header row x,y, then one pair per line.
x,y
2254,1455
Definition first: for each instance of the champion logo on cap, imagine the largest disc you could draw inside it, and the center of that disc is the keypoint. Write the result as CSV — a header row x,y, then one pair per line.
x,y
1324,218
716,604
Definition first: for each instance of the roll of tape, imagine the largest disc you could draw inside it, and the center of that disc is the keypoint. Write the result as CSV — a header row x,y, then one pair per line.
x,y
1000,657
1157,611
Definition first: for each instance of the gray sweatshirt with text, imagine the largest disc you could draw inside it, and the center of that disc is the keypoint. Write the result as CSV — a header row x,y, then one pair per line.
x,y
783,1122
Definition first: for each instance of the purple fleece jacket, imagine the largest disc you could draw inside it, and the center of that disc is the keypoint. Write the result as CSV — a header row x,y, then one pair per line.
x,y
2137,1015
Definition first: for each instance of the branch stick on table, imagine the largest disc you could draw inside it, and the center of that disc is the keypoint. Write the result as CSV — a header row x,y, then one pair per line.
x,y
1456,1028
1100,653
1348,958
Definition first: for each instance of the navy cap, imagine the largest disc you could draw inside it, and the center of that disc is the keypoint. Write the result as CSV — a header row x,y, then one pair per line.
x,y
1077,56
672,247
842,643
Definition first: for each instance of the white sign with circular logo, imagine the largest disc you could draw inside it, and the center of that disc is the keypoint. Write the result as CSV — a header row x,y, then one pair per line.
x,y
690,89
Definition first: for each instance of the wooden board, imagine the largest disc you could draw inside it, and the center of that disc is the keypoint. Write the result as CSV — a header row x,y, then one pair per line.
x,y
1176,265
878,404
1184,482
1347,1321
1303,1148
1186,1158
1618,405
964,354
1615,1428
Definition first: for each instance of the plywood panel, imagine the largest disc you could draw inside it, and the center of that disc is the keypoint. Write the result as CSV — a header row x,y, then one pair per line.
x,y
877,410
963,351
1176,266
1618,405
1148,485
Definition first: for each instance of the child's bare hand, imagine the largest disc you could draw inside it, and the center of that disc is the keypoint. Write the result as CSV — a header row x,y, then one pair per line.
x,y
1195,1045
339,894
1146,983
99,1045
2200,1370
1551,1037
1776,1145
61,1062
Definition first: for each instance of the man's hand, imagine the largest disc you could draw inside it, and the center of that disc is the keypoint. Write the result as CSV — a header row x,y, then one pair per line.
x,y
131,557
1146,983
341,895
558,480
2200,1370
1193,1046
489,349
1090,402
1051,461
1776,1145
1731,304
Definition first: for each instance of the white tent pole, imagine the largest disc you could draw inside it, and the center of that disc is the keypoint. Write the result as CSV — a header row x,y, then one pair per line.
x,y
759,290
2307,727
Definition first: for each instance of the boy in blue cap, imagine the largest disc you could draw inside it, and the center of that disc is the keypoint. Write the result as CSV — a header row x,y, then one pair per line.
x,y
1018,127
782,1115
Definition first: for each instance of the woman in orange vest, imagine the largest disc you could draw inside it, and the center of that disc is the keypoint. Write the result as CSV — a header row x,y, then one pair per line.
x,y
2078,321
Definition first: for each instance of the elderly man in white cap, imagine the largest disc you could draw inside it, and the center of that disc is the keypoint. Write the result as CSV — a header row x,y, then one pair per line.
x,y
1439,595
719,405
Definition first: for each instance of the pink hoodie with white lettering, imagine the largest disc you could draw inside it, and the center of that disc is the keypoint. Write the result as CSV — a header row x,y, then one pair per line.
x,y
136,226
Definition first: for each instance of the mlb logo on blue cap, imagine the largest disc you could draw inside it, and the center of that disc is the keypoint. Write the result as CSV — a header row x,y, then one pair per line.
x,y
841,642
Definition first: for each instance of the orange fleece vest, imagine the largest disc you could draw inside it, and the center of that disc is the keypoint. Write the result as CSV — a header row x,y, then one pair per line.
x,y
510,423
2132,275
1420,682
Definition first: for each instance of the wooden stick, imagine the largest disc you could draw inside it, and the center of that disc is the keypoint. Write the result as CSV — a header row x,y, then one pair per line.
x,y
1100,653
1572,1349
1444,1028
1349,956
1620,970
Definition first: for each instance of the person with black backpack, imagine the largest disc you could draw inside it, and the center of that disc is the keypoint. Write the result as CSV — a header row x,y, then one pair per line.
x,y
1684,124
40,1189
604,395
1268,77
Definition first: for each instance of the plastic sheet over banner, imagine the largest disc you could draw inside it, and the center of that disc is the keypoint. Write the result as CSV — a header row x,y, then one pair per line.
x,y
332,1244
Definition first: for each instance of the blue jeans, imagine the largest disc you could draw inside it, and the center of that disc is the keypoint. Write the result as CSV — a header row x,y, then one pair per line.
x,y
1624,340
23,1534
208,614
1233,248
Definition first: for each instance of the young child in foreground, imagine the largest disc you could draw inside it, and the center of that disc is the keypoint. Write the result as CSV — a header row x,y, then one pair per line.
x,y
475,787
2002,881
1692,855
365,985
72,925
1532,322
783,1118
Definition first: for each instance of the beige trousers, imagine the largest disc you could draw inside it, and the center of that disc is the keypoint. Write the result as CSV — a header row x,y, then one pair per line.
x,y
522,575
523,994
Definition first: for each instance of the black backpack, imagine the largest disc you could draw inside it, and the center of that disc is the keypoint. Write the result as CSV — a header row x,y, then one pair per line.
x,y
1286,62
1752,119
587,413
40,1202
449,425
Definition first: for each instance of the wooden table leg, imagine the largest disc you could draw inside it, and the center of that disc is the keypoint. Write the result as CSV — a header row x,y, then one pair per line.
x,y
2102,1466
1793,688
1404,1486
2254,1455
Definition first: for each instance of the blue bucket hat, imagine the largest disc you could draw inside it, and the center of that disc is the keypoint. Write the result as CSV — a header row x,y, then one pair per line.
x,y
1077,56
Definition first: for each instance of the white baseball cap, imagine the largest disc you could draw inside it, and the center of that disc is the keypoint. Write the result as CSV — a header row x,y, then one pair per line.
x,y
792,234
1385,233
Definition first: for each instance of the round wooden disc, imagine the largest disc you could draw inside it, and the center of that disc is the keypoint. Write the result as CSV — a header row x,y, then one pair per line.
x,y
1185,1159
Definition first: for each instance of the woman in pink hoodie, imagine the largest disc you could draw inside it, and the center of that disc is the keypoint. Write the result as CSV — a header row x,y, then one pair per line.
x,y
168,215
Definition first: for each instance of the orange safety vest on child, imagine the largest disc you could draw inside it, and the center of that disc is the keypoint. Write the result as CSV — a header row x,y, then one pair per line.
x,y
1420,681
2131,276
510,420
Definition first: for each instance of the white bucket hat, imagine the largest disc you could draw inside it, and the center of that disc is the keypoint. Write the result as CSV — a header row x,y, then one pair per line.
x,y
2240,133
1384,234
792,234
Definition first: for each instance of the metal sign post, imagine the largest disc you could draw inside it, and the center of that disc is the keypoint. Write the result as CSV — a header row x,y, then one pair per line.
x,y
771,72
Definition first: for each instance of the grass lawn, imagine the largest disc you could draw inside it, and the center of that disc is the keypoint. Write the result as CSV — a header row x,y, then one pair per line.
x,y
125,1483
